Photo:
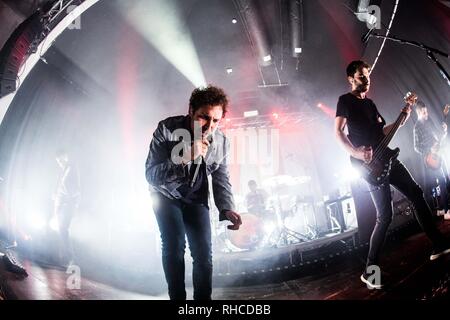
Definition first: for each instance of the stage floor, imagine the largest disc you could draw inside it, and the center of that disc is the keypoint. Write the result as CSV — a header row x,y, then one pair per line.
x,y
407,273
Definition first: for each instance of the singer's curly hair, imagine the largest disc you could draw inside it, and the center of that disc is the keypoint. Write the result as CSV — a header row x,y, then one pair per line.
x,y
355,66
208,96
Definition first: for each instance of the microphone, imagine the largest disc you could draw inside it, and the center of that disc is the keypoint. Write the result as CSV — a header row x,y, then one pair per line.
x,y
210,138
366,36
197,168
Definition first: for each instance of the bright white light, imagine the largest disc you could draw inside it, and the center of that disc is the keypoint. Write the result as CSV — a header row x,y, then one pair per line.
x,y
267,58
298,50
161,24
269,227
253,113
54,225
37,221
351,174
234,21
144,211
229,70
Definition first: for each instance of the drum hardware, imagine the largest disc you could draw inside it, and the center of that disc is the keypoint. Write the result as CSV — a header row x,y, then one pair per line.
x,y
336,213
311,228
284,235
335,225
252,234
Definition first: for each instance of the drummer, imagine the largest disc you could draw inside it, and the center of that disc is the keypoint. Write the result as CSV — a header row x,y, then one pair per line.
x,y
256,199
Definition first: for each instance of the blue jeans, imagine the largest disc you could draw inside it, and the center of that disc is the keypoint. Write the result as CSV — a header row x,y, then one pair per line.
x,y
402,180
433,179
177,220
65,211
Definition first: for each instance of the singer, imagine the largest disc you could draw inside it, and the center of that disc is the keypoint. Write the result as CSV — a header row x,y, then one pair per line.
x,y
178,180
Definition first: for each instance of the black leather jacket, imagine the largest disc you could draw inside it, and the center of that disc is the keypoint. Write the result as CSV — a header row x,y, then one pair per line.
x,y
166,176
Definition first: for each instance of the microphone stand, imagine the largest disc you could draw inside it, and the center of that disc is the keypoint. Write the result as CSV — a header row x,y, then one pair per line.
x,y
429,51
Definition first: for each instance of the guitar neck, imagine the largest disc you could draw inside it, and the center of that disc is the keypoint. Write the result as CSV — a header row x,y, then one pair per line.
x,y
387,139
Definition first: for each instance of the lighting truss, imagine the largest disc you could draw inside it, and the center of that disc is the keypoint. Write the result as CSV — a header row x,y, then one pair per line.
x,y
51,18
267,121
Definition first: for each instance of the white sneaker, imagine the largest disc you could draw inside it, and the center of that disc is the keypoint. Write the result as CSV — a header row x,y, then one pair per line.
x,y
439,252
369,284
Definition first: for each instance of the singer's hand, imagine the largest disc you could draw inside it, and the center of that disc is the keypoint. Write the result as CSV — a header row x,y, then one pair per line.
x,y
235,219
200,148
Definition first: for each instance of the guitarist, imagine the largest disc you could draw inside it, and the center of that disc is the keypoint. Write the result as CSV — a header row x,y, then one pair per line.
x,y
427,140
366,127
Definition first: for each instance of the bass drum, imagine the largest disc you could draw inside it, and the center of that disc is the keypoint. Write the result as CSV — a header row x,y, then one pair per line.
x,y
250,233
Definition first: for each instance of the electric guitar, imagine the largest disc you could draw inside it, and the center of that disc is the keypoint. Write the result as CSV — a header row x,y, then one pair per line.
x,y
433,159
377,170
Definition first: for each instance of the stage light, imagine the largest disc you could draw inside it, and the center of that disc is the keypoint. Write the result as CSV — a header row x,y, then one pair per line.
x,y
234,21
253,113
351,174
229,70
327,110
37,222
296,26
162,25
267,58
256,30
275,115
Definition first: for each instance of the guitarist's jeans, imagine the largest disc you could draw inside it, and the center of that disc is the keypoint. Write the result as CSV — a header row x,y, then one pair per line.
x,y
431,176
402,180
175,220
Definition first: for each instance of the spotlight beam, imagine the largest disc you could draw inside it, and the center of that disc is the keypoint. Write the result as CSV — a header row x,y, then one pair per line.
x,y
255,30
160,23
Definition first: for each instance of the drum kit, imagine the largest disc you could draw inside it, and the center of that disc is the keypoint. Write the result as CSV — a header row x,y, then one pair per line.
x,y
288,219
